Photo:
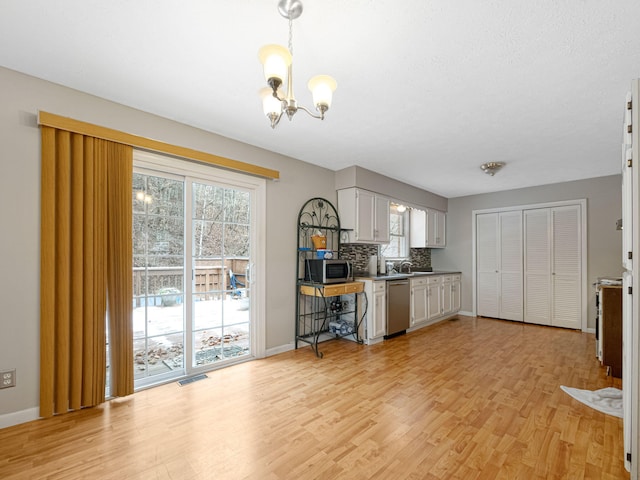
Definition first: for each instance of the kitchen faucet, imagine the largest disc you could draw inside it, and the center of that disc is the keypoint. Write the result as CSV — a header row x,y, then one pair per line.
x,y
408,264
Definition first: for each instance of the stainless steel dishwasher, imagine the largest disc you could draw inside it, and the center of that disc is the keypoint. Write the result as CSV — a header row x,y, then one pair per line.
x,y
398,313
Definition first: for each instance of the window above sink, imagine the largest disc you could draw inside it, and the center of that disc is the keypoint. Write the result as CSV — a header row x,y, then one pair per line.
x,y
398,246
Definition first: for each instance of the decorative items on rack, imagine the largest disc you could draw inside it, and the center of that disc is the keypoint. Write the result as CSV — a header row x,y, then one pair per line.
x,y
277,62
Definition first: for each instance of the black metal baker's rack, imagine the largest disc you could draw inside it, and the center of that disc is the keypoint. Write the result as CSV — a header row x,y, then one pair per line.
x,y
315,312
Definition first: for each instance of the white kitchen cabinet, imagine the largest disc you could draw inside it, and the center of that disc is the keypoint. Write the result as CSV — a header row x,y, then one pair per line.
x,y
379,310
439,222
456,290
434,294
451,285
434,298
447,285
419,301
376,316
365,215
427,228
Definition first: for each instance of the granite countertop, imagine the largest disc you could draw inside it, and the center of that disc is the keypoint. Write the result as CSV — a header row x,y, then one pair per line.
x,y
396,276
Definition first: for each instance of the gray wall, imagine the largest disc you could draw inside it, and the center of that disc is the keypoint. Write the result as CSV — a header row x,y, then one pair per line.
x,y
362,178
604,242
21,98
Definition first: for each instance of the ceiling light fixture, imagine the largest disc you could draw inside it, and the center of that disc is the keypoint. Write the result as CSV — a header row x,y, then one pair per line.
x,y
491,168
277,63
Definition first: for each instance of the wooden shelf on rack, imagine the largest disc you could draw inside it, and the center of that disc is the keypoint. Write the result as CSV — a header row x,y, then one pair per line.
x,y
332,290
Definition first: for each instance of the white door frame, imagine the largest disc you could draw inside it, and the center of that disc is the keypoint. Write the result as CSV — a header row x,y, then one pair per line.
x,y
583,234
187,168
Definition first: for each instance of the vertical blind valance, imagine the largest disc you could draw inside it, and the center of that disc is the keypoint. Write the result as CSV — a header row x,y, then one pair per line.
x,y
97,131
85,270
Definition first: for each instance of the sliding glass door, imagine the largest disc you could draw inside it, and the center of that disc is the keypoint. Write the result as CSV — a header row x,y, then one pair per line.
x,y
192,273
220,259
158,276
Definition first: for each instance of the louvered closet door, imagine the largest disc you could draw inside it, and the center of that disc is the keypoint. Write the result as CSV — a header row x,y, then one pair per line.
x,y
510,265
487,265
537,266
566,267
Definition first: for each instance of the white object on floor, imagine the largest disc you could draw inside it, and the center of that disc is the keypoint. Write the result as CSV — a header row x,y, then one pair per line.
x,y
606,400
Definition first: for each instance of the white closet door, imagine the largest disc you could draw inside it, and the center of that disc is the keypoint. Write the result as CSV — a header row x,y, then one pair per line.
x,y
510,265
537,266
566,267
487,264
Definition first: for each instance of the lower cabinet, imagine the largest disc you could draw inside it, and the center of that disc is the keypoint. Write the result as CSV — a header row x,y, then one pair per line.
x,y
450,294
434,292
419,301
376,317
434,297
446,294
456,290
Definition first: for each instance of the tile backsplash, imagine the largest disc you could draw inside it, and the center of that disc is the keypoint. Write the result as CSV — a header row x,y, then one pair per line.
x,y
358,254
420,257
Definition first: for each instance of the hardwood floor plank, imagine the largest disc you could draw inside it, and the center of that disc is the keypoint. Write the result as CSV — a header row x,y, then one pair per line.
x,y
464,399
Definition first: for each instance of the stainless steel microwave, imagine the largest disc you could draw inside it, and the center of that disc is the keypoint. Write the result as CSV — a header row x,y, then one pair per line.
x,y
327,271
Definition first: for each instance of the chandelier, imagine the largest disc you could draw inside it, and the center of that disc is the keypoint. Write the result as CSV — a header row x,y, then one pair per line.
x,y
277,63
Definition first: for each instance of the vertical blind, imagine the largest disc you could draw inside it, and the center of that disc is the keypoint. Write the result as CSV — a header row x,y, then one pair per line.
x,y
85,270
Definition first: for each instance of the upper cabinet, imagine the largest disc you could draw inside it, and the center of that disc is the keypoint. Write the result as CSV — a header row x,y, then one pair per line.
x,y
427,228
365,215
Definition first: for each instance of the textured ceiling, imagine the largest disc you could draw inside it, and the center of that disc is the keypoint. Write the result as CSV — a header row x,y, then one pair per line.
x,y
427,90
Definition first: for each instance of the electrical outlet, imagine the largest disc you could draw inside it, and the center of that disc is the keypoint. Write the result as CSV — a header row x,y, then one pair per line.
x,y
8,378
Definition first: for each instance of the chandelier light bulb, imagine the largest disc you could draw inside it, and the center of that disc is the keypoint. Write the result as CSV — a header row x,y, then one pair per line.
x,y
270,104
275,60
322,88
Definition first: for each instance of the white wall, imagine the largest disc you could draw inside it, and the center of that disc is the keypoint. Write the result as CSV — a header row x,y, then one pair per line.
x,y
21,98
604,242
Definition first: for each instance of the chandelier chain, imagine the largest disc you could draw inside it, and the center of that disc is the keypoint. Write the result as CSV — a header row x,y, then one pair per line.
x,y
290,34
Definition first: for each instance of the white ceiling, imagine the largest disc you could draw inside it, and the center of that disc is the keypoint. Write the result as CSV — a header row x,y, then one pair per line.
x,y
427,89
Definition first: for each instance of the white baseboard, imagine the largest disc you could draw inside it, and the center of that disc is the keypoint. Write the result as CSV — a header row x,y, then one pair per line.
x,y
590,330
466,314
281,349
16,418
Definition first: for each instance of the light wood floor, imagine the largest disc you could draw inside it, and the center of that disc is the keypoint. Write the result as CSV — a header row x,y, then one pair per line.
x,y
464,399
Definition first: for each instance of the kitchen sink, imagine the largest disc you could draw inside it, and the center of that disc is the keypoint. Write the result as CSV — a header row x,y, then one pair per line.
x,y
401,275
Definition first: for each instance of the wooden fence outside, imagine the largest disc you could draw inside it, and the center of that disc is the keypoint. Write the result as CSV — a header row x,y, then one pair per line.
x,y
163,285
